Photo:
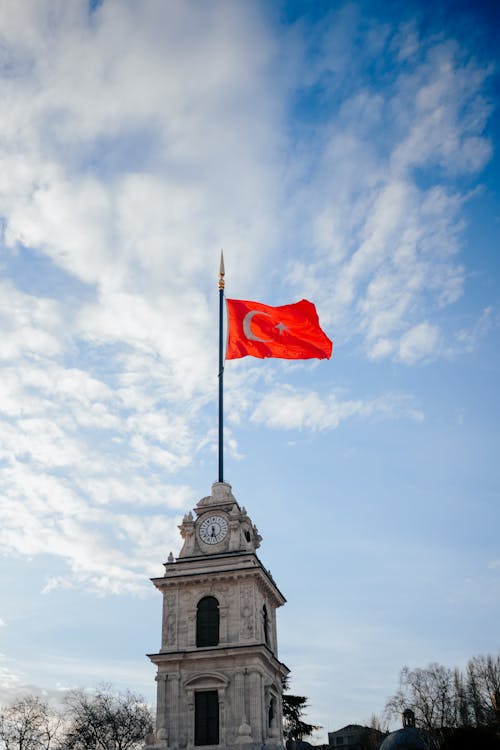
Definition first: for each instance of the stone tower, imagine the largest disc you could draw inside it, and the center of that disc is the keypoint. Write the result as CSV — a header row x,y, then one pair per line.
x,y
219,677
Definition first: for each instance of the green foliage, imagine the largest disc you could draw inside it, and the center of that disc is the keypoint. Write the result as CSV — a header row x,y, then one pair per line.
x,y
294,707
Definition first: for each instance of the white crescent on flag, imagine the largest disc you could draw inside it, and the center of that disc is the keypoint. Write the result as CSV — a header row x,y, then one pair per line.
x,y
247,320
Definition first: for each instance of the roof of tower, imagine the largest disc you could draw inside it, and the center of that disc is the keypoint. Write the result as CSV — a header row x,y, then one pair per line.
x,y
221,494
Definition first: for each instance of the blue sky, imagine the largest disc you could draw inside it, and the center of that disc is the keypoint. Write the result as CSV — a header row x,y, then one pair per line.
x,y
342,152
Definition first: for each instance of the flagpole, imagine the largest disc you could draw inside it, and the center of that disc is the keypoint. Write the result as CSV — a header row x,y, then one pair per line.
x,y
221,367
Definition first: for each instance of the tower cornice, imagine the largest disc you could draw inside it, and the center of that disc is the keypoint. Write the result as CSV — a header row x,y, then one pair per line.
x,y
211,656
247,566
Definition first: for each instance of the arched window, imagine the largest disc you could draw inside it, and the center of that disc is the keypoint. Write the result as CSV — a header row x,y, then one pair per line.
x,y
207,622
265,621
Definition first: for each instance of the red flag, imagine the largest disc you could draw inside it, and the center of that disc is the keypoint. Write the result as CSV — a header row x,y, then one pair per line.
x,y
288,332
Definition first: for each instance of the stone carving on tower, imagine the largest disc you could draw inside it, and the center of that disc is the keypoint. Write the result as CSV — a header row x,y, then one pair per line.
x,y
219,679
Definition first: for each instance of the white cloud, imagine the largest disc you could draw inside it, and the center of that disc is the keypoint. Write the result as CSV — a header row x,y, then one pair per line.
x,y
112,176
468,338
387,229
31,325
9,681
136,141
61,470
448,115
419,343
105,551
382,348
286,408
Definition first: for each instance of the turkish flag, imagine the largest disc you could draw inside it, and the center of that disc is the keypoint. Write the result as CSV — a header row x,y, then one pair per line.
x,y
288,332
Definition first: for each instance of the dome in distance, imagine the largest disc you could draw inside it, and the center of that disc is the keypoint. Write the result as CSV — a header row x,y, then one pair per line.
x,y
407,738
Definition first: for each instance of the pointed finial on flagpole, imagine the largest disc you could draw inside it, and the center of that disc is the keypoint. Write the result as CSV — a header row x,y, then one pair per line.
x,y
221,271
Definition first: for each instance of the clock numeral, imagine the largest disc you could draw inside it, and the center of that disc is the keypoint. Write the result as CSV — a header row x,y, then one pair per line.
x,y
213,529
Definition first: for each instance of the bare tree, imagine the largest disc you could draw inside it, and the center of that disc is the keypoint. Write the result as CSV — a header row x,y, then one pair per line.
x,y
445,699
462,705
373,734
430,693
28,724
483,680
378,723
104,720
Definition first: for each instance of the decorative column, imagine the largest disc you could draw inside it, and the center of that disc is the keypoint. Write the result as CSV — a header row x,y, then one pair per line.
x,y
164,623
239,696
169,621
223,612
247,629
244,733
274,636
161,701
222,716
191,627
256,706
190,718
280,714
174,708
264,697
234,527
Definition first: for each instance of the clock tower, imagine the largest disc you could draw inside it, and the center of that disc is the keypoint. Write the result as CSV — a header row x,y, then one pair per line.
x,y
219,679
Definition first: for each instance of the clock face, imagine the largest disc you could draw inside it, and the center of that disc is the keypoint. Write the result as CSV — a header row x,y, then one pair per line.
x,y
213,529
